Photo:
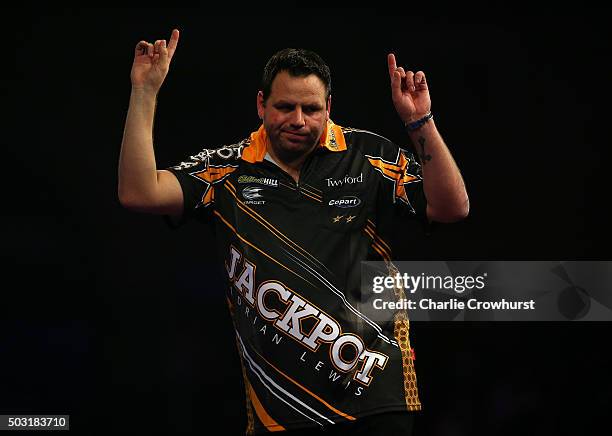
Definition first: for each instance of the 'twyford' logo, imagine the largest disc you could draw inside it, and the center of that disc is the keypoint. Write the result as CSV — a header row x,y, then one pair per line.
x,y
347,180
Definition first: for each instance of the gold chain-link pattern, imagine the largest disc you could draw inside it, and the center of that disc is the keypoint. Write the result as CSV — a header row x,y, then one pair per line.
x,y
401,332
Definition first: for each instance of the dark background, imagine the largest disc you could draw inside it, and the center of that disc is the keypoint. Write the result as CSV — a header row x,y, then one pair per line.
x,y
113,318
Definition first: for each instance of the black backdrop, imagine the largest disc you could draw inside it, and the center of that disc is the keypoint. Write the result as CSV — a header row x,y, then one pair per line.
x,y
111,317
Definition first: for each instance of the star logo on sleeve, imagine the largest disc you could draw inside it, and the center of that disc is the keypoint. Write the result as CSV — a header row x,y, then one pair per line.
x,y
398,173
211,176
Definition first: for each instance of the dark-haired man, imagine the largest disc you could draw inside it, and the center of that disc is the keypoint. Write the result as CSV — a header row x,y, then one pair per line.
x,y
297,205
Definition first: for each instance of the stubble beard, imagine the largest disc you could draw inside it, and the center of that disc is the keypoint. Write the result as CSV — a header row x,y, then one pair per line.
x,y
288,151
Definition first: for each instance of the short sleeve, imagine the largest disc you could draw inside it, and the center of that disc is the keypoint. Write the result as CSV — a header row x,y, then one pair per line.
x,y
411,202
196,180
402,185
409,192
201,176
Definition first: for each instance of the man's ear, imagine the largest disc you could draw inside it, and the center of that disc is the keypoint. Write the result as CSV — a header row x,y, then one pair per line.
x,y
328,106
260,105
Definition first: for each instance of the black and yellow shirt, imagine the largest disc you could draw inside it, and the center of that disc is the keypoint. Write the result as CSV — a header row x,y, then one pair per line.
x,y
311,354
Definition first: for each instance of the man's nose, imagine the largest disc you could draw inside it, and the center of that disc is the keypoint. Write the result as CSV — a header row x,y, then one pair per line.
x,y
297,118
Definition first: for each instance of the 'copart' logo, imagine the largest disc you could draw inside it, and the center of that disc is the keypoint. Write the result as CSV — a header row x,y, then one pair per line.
x,y
348,201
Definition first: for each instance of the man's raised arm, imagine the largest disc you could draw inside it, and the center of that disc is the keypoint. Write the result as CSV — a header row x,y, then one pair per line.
x,y
141,186
447,199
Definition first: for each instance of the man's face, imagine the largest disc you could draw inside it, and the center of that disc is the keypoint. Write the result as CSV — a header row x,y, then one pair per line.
x,y
295,114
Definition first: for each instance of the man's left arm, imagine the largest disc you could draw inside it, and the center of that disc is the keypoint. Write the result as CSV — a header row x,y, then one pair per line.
x,y
447,199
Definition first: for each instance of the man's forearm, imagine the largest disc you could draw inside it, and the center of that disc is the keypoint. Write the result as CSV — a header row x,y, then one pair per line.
x,y
444,188
137,167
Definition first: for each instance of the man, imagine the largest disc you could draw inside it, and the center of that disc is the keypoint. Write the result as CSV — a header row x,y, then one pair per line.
x,y
296,207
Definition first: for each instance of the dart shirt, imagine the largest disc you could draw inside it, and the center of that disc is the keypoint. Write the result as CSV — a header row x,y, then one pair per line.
x,y
311,354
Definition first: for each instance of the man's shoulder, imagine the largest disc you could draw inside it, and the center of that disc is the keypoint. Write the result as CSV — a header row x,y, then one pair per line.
x,y
368,143
224,155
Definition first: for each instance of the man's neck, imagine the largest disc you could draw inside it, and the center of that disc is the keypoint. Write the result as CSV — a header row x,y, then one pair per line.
x,y
293,166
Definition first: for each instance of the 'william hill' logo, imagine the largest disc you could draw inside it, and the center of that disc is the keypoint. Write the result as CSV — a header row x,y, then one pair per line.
x,y
259,180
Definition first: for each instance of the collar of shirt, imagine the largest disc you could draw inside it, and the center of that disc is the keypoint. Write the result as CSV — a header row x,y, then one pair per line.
x,y
332,139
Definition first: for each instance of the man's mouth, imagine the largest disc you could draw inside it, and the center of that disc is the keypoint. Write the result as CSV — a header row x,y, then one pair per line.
x,y
294,136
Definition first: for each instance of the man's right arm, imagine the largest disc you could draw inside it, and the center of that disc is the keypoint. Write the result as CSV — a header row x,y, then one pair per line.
x,y
142,187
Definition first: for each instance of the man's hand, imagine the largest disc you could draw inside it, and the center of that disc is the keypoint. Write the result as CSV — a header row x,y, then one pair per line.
x,y
409,92
152,62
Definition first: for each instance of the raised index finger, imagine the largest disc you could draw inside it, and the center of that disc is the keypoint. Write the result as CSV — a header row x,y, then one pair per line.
x,y
392,64
173,43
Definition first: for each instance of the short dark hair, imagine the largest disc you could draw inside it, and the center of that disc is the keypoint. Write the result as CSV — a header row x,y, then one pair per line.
x,y
297,62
